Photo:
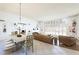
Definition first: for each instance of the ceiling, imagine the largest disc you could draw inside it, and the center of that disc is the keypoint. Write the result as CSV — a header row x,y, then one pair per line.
x,y
37,11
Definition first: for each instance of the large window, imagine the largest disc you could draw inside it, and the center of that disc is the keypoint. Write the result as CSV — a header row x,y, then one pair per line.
x,y
55,27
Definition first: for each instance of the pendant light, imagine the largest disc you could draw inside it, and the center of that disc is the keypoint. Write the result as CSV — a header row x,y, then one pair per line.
x,y
19,33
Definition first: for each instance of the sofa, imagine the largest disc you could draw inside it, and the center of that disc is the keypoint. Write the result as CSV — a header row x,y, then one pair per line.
x,y
67,41
42,37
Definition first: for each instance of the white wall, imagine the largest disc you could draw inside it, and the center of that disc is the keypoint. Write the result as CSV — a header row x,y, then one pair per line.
x,y
10,19
77,27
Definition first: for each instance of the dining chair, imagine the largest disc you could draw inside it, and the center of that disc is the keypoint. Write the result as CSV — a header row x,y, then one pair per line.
x,y
29,43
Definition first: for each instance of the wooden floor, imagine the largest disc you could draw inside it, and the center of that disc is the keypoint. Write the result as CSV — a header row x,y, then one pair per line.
x,y
40,48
